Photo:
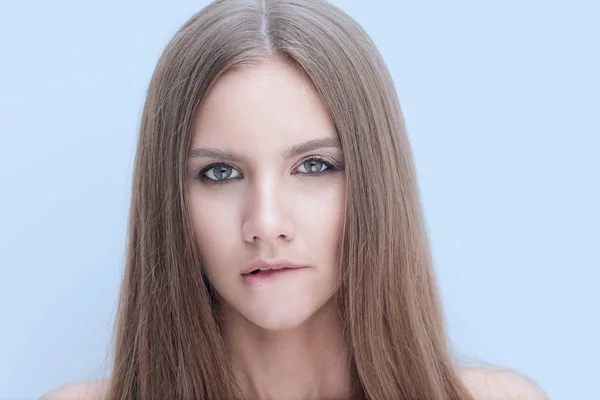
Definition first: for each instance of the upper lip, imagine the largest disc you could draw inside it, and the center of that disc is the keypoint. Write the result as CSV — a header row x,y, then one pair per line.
x,y
270,264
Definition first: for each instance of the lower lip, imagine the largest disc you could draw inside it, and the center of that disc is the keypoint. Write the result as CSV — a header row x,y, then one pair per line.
x,y
263,277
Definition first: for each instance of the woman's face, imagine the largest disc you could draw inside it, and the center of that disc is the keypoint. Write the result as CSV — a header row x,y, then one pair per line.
x,y
267,191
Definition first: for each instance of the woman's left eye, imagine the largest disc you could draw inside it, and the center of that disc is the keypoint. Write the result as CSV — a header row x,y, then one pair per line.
x,y
313,166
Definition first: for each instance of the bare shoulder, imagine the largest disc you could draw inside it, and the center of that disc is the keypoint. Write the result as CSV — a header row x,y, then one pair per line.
x,y
91,390
500,384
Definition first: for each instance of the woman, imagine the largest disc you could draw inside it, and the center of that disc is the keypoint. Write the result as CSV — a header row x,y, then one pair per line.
x,y
277,248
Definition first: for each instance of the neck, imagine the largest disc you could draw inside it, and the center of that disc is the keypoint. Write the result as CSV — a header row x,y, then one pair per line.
x,y
307,362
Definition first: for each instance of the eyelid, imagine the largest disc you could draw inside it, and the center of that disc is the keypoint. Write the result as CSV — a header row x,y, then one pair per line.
x,y
218,164
333,164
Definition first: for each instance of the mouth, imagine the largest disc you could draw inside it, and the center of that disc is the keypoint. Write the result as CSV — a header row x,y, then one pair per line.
x,y
266,270
260,266
261,271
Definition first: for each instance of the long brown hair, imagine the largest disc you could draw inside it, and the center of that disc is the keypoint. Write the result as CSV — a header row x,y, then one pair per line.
x,y
167,339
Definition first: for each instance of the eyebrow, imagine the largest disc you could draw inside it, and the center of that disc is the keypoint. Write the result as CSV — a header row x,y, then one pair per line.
x,y
292,151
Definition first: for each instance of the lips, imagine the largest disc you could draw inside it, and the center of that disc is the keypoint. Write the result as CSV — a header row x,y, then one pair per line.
x,y
263,272
269,265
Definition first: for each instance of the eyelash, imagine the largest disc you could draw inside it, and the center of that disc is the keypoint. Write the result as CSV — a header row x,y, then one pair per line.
x,y
331,167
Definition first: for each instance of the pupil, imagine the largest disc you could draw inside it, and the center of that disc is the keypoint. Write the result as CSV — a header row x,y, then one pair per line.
x,y
313,165
222,172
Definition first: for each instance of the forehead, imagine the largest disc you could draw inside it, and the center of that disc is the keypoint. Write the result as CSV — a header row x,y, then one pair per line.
x,y
269,104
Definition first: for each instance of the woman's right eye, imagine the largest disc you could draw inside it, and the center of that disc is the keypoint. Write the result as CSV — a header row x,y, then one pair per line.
x,y
219,173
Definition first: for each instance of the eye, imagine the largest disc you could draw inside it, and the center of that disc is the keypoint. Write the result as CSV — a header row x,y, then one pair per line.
x,y
219,172
314,165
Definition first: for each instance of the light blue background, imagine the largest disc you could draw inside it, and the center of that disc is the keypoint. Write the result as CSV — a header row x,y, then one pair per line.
x,y
502,104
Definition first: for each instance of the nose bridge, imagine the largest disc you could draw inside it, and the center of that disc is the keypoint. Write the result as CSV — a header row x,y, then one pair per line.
x,y
267,213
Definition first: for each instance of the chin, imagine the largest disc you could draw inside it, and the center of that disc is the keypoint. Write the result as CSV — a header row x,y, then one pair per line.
x,y
286,306
280,317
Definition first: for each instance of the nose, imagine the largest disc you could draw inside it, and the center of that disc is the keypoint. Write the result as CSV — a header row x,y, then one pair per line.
x,y
268,215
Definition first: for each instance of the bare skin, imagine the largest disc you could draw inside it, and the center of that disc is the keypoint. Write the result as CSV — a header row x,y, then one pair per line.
x,y
278,195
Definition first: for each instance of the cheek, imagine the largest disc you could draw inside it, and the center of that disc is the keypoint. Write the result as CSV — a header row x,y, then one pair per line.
x,y
214,219
319,217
